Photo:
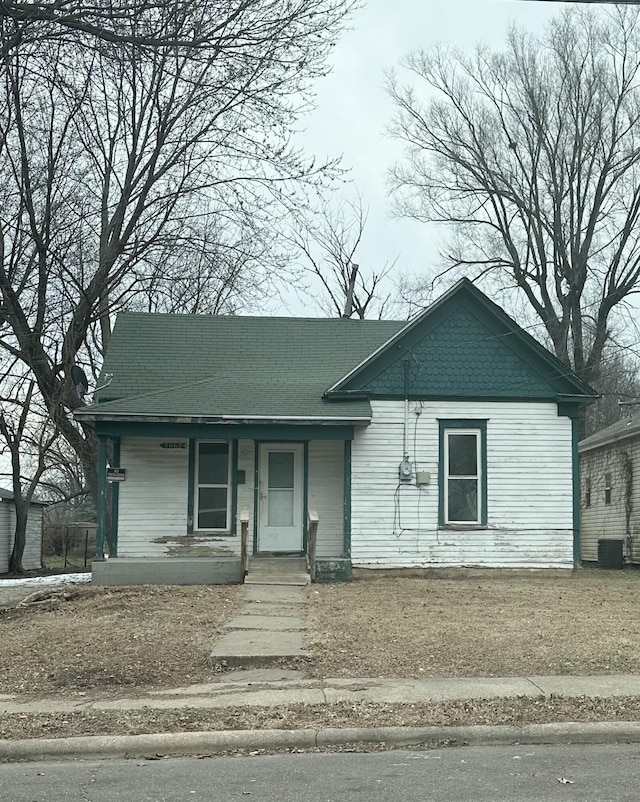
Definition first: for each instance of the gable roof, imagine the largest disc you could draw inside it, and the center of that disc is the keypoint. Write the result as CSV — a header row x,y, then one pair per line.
x,y
205,366
622,430
463,346
227,368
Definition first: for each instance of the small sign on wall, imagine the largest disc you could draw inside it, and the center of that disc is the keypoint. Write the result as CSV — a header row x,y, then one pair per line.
x,y
173,445
116,474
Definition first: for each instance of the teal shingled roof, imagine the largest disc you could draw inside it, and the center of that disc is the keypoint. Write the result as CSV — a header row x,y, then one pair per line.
x,y
206,366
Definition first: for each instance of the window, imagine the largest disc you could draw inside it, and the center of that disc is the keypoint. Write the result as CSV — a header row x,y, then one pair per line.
x,y
587,492
607,488
212,486
463,483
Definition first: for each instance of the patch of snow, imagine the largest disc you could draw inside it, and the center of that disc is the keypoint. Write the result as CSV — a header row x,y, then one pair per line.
x,y
54,579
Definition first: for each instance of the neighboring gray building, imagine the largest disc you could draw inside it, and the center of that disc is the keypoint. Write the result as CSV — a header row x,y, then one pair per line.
x,y
32,558
610,492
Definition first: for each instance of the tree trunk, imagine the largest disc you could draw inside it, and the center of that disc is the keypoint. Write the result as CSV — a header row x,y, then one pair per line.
x,y
20,538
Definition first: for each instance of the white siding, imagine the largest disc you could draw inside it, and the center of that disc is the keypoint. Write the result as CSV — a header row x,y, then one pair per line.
x,y
152,520
326,494
6,535
529,483
32,557
621,518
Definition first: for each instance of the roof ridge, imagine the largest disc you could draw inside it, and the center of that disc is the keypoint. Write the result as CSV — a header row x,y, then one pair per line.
x,y
301,319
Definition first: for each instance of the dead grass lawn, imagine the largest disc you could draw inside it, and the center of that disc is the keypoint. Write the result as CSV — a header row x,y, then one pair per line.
x,y
516,711
123,641
586,623
92,639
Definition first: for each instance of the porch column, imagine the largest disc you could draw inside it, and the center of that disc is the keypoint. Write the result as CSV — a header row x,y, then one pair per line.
x,y
101,506
575,459
347,499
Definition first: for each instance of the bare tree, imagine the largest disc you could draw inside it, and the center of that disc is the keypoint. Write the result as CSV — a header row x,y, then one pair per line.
x,y
328,241
121,166
28,436
618,384
148,24
532,156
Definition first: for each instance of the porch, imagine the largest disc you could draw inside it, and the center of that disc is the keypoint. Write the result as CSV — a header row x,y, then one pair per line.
x,y
208,510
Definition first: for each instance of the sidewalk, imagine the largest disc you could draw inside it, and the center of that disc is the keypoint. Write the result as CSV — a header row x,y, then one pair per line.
x,y
273,687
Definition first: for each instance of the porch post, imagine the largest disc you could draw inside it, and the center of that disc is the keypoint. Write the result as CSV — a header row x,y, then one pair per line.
x,y
115,496
191,473
575,459
256,493
347,499
101,506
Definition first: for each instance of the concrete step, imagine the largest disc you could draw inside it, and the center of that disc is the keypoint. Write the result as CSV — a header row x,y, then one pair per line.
x,y
277,571
298,581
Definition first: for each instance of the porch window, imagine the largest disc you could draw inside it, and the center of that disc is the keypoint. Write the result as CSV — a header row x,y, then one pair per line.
x,y
463,473
213,497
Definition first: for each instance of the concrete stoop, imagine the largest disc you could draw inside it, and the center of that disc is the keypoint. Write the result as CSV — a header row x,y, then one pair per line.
x,y
277,571
267,631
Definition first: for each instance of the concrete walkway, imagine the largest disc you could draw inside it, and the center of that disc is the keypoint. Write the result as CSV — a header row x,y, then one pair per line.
x,y
272,687
270,628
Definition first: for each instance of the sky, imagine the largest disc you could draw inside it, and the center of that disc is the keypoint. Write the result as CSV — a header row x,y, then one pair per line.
x,y
353,110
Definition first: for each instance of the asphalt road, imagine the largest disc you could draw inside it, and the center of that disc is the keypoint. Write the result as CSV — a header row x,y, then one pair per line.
x,y
477,774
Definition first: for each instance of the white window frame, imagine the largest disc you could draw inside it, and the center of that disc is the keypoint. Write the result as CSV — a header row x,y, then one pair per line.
x,y
196,490
478,476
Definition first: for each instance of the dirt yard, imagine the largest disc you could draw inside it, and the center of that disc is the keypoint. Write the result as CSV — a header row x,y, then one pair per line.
x,y
586,623
82,639
109,641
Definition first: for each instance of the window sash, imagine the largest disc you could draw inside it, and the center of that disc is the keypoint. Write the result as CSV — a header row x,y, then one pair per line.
x,y
453,482
226,486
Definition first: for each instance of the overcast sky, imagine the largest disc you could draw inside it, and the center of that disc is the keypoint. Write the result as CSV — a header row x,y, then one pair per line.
x,y
353,110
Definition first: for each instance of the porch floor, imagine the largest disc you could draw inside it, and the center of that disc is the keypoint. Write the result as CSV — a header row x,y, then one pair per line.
x,y
277,571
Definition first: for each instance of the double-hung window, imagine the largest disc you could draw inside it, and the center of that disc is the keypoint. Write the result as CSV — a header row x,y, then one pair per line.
x,y
463,487
213,492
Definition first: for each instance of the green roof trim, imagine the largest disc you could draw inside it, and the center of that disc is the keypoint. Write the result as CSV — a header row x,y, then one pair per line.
x,y
463,346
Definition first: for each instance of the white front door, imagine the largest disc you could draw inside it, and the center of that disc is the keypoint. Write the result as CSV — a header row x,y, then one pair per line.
x,y
280,518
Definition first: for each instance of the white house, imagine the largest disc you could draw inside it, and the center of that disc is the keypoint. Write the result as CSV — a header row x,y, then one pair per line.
x,y
32,558
446,441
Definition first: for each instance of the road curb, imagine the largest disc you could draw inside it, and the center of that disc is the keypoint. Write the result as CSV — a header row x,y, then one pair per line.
x,y
100,747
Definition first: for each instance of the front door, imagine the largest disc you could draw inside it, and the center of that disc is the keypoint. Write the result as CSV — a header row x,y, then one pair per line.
x,y
280,498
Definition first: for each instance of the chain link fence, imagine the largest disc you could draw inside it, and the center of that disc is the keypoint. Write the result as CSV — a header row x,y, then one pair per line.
x,y
70,545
